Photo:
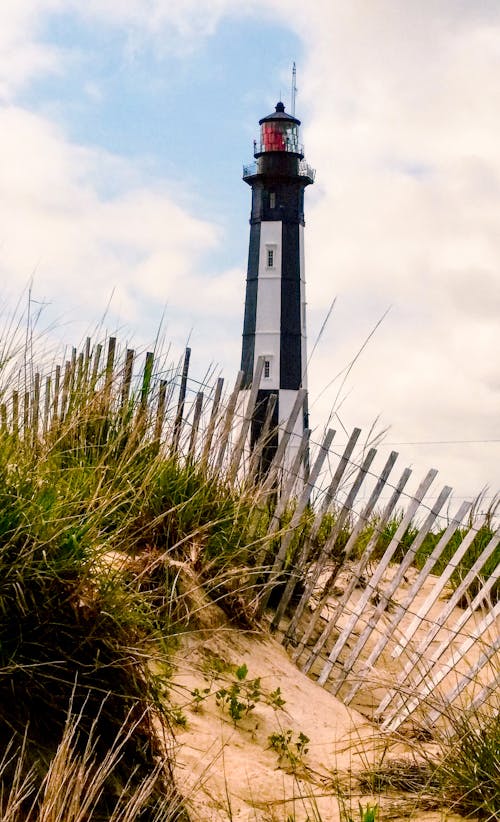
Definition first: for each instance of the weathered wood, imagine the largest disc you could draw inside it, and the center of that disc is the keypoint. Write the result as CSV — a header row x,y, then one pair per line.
x,y
246,422
35,406
418,661
270,481
228,420
423,574
253,473
26,415
65,390
195,424
388,554
329,546
209,433
437,590
433,678
147,376
95,367
181,401
15,413
46,404
302,503
490,688
385,595
109,370
284,497
361,522
464,681
160,411
55,398
127,379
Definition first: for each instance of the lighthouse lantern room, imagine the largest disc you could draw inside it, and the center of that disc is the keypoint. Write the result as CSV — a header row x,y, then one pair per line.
x,y
275,303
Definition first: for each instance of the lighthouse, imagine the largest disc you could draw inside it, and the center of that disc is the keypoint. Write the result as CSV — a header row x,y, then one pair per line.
x,y
275,303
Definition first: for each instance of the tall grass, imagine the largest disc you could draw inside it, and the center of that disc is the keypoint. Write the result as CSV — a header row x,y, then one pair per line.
x,y
92,515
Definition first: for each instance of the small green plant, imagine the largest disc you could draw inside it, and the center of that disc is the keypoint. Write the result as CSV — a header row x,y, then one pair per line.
x,y
365,814
199,697
289,751
275,699
241,696
178,716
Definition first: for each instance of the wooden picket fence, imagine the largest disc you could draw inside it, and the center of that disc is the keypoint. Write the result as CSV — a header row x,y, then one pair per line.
x,y
383,635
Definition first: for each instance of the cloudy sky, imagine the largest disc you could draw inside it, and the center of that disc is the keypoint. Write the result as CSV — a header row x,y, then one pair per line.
x,y
123,128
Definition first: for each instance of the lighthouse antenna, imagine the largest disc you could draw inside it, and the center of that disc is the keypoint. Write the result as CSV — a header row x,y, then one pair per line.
x,y
294,88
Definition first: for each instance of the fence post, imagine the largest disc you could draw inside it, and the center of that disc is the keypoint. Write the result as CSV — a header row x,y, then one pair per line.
x,y
228,420
127,379
207,445
196,423
160,412
181,401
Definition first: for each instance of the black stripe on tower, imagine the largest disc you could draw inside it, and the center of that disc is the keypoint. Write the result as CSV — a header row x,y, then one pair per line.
x,y
258,419
290,330
249,323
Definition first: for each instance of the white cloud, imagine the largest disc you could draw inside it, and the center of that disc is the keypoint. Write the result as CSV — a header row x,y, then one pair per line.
x,y
401,118
54,222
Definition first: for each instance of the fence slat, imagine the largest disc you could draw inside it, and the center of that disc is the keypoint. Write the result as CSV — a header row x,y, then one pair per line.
x,y
147,376
484,694
228,420
110,364
247,420
254,468
388,554
160,411
26,415
182,399
35,407
209,433
46,405
196,424
15,413
65,389
127,379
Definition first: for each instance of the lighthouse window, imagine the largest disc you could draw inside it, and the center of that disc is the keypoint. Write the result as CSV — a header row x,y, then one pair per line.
x,y
267,369
270,257
272,200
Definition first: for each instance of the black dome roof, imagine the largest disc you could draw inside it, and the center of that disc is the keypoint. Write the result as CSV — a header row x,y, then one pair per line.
x,y
279,114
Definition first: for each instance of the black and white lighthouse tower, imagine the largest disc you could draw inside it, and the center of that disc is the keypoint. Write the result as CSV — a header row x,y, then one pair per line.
x,y
275,302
